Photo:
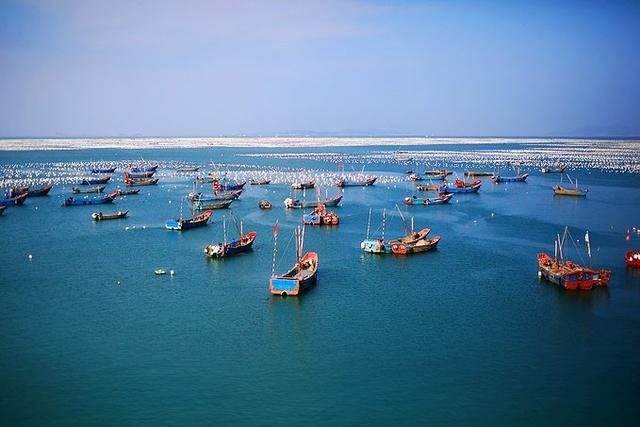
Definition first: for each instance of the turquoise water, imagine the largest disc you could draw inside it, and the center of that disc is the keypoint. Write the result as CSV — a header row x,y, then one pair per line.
x,y
465,334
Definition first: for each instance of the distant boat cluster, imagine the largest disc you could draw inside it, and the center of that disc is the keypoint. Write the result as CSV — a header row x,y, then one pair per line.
x,y
557,269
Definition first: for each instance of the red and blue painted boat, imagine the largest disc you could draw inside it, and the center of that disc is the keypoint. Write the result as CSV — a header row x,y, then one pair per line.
x,y
445,189
301,276
442,199
224,185
183,224
14,201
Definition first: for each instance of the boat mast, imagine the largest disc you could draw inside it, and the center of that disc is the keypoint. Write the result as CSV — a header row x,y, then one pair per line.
x,y
224,230
384,217
275,246
369,224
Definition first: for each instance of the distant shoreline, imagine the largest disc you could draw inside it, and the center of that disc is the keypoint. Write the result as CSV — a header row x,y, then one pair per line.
x,y
142,143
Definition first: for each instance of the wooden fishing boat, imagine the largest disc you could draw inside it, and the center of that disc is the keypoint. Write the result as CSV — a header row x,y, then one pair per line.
x,y
2,209
381,246
16,191
103,170
466,184
204,206
366,182
101,200
422,245
131,192
216,196
301,276
303,185
564,191
320,216
40,192
138,182
78,190
99,216
290,203
427,187
14,201
477,173
632,259
440,200
183,224
137,175
567,274
259,181
222,185
95,181
554,169
264,204
517,178
416,177
438,172
187,169
446,189
331,202
244,243
144,168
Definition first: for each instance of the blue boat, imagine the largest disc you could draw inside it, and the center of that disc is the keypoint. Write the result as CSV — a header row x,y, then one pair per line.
x,y
74,201
445,189
103,170
14,201
365,182
301,276
518,178
224,185
182,224
148,174
95,181
145,169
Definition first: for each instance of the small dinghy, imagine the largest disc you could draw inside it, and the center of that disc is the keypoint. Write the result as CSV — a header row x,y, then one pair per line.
x,y
264,204
99,216
160,272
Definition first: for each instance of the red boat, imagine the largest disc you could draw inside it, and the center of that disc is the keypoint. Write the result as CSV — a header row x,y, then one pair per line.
x,y
463,184
632,259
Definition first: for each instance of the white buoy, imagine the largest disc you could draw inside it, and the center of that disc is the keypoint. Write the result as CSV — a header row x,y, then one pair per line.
x,y
30,257
171,272
118,283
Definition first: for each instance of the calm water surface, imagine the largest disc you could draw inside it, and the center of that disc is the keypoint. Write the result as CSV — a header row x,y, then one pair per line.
x,y
465,334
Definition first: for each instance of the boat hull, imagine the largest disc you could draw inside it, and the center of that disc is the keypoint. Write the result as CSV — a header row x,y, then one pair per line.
x,y
14,201
563,191
40,192
221,250
300,278
632,259
519,178
183,224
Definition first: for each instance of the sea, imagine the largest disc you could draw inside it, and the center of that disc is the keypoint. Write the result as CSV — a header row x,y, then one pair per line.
x,y
463,335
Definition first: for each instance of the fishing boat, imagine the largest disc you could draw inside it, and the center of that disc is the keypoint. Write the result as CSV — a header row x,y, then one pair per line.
x,y
225,249
477,173
204,206
159,272
259,181
567,274
440,200
14,201
416,177
290,203
40,192
2,209
382,246
366,182
131,192
223,185
320,216
137,175
438,172
95,181
427,187
264,204
303,273
330,202
144,168
632,259
183,224
447,190
101,200
516,178
303,185
559,190
103,170
187,169
138,182
419,246
216,196
466,184
78,190
99,216
554,169
16,191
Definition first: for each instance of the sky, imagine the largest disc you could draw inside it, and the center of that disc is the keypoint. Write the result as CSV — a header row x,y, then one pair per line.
x,y
244,67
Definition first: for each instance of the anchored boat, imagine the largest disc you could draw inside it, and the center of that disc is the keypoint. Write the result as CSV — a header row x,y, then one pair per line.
x,y
516,178
320,216
303,185
101,200
95,181
79,190
365,182
632,259
183,224
244,243
301,276
99,216
442,199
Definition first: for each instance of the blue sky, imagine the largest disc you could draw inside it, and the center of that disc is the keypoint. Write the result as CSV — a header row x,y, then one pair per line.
x,y
107,68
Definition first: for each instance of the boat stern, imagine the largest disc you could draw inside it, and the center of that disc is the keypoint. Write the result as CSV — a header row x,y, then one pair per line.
x,y
284,286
